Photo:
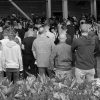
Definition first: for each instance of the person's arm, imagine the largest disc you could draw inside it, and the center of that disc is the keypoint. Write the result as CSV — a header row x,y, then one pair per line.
x,y
73,48
22,46
34,49
3,60
52,57
74,45
20,59
97,46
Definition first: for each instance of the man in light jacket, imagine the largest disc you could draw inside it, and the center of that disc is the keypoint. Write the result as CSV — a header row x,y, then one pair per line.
x,y
11,57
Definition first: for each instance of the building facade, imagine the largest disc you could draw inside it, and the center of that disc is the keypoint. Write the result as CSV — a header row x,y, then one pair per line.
x,y
52,7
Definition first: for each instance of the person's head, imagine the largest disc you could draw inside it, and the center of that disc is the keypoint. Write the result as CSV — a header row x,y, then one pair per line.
x,y
41,30
62,37
35,29
85,28
52,29
30,27
82,21
64,27
6,31
46,27
11,34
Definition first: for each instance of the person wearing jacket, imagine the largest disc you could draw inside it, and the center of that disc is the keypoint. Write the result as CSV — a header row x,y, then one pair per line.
x,y
12,58
28,57
61,58
41,48
84,47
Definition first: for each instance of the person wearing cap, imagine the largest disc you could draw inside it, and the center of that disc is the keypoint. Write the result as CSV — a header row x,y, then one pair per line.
x,y
11,57
84,48
61,58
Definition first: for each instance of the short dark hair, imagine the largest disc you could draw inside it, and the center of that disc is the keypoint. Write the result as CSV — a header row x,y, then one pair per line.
x,y
11,33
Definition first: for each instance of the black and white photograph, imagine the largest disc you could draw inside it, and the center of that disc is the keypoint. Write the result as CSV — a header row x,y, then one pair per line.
x,y
49,49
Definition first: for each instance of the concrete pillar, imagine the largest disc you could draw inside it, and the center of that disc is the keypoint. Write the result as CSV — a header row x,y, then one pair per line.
x,y
94,8
65,8
48,8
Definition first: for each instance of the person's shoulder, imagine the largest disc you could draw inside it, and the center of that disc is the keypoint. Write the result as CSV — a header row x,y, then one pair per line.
x,y
76,39
67,45
35,41
16,44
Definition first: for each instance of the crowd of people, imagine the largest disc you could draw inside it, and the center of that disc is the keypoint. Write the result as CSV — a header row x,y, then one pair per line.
x,y
47,47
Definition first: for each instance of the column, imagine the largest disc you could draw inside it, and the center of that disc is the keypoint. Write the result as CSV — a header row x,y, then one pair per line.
x,y
48,8
65,8
94,8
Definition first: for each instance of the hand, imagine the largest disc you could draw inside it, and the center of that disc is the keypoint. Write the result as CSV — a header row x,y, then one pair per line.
x,y
51,67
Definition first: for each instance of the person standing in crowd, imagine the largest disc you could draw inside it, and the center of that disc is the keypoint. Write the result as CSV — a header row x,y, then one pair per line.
x,y
1,69
5,37
42,47
61,58
4,41
94,36
48,33
11,57
70,32
85,60
17,38
28,57
30,30
1,31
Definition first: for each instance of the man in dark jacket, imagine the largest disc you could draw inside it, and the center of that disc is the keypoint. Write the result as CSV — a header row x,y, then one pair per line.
x,y
28,58
85,60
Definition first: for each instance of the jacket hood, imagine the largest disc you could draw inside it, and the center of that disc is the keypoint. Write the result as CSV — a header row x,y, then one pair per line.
x,y
11,44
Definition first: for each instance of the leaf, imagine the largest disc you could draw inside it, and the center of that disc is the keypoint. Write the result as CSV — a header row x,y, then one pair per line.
x,y
3,96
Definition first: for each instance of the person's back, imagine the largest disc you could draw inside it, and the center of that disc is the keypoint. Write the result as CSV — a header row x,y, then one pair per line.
x,y
64,56
85,52
11,52
11,57
84,47
27,42
43,46
30,31
61,58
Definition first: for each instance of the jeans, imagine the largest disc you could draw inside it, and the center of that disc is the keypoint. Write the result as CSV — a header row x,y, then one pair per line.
x,y
82,75
12,74
63,74
28,62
